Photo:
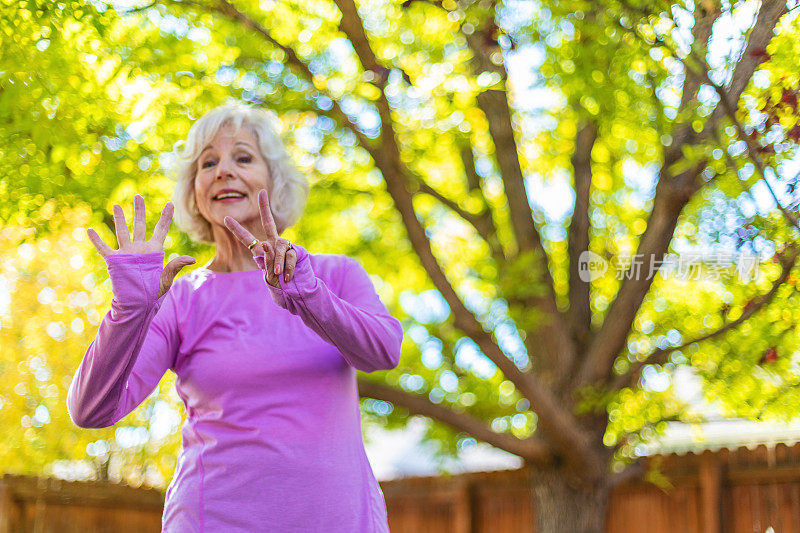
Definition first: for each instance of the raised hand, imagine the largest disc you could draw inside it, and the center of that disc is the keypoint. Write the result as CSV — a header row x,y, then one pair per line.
x,y
138,245
279,256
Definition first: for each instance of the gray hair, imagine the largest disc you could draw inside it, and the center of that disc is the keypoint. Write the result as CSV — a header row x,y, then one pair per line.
x,y
289,188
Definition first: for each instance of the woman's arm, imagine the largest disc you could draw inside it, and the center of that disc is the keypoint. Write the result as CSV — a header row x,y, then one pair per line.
x,y
135,344
358,323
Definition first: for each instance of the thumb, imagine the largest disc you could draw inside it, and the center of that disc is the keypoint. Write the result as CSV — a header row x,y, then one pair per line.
x,y
171,270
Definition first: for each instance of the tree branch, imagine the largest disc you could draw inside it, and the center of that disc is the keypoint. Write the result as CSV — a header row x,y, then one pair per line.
x,y
761,168
705,14
701,69
494,104
752,150
139,9
654,243
531,449
551,345
768,16
672,194
225,8
475,188
661,355
554,348
557,423
760,35
468,160
351,25
486,231
580,315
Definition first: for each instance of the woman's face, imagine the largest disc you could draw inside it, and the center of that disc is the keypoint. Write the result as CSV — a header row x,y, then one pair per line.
x,y
230,163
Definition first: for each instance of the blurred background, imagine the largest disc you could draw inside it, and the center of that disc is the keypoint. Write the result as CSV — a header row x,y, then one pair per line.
x,y
466,153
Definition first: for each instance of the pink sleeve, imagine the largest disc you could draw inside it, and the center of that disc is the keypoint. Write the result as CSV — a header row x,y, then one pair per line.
x,y
134,346
358,323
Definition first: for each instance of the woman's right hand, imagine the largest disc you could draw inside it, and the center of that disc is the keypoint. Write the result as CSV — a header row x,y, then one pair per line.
x,y
138,245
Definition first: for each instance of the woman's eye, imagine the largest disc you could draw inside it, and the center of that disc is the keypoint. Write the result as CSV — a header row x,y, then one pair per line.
x,y
210,162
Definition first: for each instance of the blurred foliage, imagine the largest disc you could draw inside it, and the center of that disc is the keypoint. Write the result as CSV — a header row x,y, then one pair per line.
x,y
59,293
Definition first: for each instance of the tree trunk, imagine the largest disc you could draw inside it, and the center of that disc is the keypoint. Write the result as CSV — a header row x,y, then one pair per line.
x,y
562,506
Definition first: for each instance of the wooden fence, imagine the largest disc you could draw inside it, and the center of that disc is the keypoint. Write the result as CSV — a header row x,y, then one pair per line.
x,y
726,491
713,492
46,505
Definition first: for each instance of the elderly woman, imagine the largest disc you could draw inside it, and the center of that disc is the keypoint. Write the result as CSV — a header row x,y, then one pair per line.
x,y
265,340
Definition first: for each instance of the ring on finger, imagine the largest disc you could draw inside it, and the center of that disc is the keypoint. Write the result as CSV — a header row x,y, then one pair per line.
x,y
255,241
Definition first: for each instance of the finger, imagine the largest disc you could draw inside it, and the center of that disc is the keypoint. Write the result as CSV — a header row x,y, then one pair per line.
x,y
266,215
272,279
121,226
139,219
280,254
98,243
162,226
291,261
171,270
269,254
241,233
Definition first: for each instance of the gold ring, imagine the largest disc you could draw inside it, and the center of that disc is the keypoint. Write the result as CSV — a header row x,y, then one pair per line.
x,y
290,247
255,241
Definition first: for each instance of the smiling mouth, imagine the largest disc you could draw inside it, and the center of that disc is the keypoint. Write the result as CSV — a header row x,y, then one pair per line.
x,y
228,197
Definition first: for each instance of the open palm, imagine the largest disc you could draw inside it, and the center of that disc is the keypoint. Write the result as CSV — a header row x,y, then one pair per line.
x,y
138,244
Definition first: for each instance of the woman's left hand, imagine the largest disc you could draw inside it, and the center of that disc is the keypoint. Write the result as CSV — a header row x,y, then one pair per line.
x,y
280,258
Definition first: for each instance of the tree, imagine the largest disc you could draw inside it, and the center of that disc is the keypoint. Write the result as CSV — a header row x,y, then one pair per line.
x,y
418,140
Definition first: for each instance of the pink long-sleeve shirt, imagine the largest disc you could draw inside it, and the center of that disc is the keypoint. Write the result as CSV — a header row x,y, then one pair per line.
x,y
272,441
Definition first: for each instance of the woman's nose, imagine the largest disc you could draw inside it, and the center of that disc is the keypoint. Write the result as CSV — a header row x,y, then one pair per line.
x,y
224,169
